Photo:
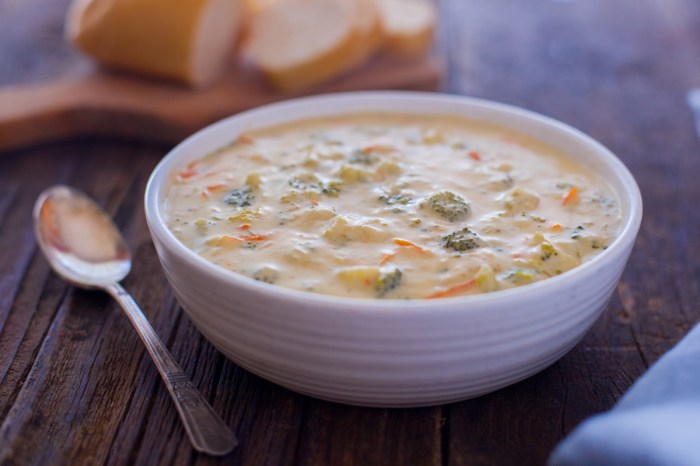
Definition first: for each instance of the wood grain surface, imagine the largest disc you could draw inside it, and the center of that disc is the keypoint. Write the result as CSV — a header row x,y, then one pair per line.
x,y
99,103
76,386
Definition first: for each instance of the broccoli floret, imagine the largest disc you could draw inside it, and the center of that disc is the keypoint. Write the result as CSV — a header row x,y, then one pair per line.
x,y
313,184
387,281
396,200
519,276
361,157
548,251
267,274
449,206
331,188
462,240
239,197
305,182
576,233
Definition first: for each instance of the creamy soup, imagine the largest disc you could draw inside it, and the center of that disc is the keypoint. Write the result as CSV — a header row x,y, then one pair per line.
x,y
391,206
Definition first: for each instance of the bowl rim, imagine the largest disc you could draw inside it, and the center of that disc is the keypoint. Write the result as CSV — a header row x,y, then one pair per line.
x,y
159,230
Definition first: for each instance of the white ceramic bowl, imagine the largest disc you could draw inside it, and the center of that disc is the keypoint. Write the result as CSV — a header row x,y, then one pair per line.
x,y
393,353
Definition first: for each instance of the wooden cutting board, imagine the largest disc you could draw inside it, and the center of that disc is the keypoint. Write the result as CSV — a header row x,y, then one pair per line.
x,y
102,104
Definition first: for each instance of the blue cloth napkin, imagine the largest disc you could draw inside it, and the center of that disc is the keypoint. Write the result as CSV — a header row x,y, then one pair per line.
x,y
656,423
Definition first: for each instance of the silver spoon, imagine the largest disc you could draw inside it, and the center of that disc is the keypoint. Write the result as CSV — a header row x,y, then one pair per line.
x,y
83,245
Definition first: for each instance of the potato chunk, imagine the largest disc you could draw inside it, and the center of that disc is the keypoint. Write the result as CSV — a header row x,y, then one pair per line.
x,y
342,230
520,200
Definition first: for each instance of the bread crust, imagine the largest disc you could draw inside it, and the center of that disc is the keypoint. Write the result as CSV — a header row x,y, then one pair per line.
x,y
155,37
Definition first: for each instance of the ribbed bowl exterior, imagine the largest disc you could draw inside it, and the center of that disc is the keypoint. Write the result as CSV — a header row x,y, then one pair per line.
x,y
412,356
393,353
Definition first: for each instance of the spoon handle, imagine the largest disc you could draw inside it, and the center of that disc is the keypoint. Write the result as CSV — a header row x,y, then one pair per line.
x,y
206,430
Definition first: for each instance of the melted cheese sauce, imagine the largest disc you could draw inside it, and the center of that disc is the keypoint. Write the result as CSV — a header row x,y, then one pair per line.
x,y
391,206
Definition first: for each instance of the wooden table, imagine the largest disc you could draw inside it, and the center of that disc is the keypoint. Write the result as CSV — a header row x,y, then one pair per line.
x,y
77,388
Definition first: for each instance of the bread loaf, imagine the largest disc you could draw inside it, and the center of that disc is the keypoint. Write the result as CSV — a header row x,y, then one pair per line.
x,y
408,26
184,40
301,43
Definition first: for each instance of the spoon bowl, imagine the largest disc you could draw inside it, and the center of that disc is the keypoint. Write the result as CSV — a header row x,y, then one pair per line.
x,y
79,239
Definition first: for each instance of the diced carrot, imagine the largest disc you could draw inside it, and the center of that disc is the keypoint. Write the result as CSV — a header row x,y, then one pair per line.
x,y
244,139
475,155
556,226
453,290
387,257
403,242
189,171
382,148
511,141
570,196
252,237
245,226
408,244
215,187
382,145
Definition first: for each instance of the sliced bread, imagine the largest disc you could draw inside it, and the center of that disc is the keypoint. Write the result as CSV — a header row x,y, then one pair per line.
x,y
408,26
185,40
301,43
255,6
369,27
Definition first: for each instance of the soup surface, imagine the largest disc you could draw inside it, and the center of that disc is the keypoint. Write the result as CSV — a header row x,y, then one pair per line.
x,y
391,206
